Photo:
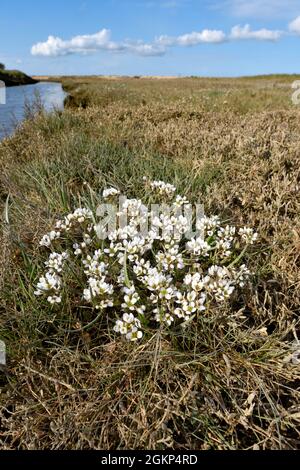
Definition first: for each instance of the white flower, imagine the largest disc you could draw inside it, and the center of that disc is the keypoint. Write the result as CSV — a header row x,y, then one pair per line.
x,y
224,247
198,247
137,245
49,238
56,261
113,249
129,326
195,281
97,288
226,233
188,302
219,283
49,282
248,235
208,225
54,299
242,275
180,201
155,280
171,259
77,249
168,228
134,334
141,267
166,293
87,239
140,310
133,208
130,300
162,188
128,318
104,304
79,216
163,317
107,193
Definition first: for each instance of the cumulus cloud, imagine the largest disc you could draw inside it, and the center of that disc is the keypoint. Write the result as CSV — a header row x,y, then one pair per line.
x,y
55,46
89,43
218,36
193,39
101,41
294,26
245,32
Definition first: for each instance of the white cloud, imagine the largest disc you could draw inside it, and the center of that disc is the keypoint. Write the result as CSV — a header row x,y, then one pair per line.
x,y
55,46
101,41
142,48
294,26
245,32
89,43
218,36
193,39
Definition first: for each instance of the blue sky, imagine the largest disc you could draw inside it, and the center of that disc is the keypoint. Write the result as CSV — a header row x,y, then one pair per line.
x,y
151,37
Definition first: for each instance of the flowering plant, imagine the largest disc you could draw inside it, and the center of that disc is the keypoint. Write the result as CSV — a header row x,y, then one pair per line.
x,y
139,277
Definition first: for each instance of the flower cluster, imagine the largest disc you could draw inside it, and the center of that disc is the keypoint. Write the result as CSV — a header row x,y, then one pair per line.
x,y
248,235
162,189
78,217
49,237
49,284
140,278
110,192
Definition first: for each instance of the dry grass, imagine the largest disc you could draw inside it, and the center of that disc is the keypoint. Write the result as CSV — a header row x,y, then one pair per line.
x,y
231,382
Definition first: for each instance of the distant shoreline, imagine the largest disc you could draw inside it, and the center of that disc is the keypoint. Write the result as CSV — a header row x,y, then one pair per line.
x,y
16,78
161,77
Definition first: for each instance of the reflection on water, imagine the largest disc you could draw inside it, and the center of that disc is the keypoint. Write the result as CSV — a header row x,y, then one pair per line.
x,y
51,95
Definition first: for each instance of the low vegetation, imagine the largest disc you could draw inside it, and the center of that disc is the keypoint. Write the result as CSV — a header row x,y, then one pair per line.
x,y
15,77
227,380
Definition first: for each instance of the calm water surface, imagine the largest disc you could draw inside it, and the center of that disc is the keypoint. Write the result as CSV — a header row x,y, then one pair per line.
x,y
12,113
